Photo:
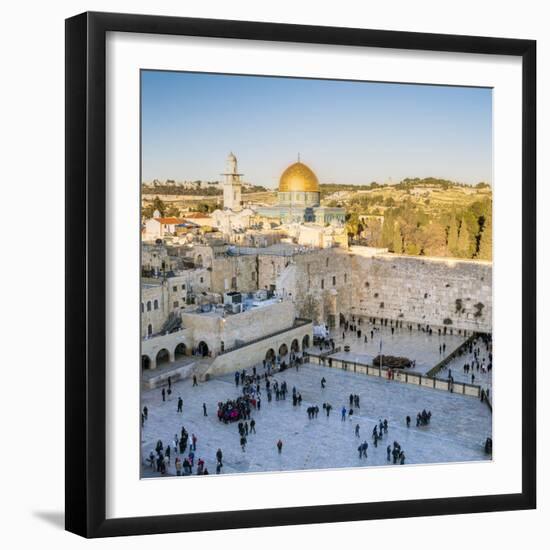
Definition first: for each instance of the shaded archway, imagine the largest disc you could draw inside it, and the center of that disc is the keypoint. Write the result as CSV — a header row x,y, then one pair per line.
x,y
145,362
180,351
295,346
283,350
149,330
305,341
163,357
270,355
202,348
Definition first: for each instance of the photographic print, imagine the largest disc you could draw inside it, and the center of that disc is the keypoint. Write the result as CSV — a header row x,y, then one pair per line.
x,y
316,274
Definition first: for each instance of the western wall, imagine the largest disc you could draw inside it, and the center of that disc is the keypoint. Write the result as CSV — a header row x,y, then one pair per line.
x,y
441,292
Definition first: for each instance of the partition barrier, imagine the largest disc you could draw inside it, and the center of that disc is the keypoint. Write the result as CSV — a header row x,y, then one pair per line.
x,y
396,375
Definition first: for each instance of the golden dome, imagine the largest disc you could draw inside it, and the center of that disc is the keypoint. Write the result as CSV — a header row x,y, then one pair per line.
x,y
298,177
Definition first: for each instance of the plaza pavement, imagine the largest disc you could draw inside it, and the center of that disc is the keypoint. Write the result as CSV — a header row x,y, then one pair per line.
x,y
457,432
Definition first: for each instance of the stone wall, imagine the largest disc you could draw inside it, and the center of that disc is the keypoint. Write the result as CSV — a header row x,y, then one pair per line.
x,y
242,327
255,353
437,291
320,283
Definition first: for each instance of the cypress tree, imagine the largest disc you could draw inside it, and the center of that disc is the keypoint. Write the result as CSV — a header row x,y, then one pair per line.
x,y
463,244
486,241
397,240
452,236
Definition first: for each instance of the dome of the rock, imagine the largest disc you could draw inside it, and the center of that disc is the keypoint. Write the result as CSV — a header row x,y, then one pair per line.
x,y
298,177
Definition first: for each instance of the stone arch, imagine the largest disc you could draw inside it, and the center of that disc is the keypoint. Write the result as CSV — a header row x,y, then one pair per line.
x,y
202,348
283,350
295,346
149,329
145,362
270,355
180,351
149,305
305,342
163,357
156,304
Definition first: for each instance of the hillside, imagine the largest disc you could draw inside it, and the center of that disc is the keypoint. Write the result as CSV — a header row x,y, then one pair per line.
x,y
419,217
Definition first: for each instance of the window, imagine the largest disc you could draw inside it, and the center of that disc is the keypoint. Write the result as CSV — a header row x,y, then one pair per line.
x,y
142,307
322,283
156,304
327,262
149,330
202,279
345,277
174,288
183,287
148,306
176,304
333,281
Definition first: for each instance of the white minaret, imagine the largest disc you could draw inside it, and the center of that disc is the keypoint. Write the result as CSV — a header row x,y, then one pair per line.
x,y
232,185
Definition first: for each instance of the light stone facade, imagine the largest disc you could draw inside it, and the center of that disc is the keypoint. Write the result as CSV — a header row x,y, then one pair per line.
x,y
268,324
322,285
160,297
441,292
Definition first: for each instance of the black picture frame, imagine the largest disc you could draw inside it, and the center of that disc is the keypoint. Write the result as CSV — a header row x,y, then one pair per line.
x,y
86,277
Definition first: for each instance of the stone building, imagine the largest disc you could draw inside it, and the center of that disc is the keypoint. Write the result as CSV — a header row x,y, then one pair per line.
x,y
166,297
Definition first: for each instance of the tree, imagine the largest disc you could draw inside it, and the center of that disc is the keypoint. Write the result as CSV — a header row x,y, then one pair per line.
x,y
432,239
159,205
172,211
388,231
464,245
486,241
397,240
452,236
148,211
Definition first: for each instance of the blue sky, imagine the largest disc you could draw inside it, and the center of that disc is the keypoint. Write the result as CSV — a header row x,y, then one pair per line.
x,y
347,132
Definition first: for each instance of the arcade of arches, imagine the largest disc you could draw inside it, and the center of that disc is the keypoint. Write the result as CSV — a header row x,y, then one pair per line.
x,y
166,356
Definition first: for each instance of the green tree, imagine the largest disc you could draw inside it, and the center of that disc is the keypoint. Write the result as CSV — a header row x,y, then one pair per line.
x,y
464,244
397,240
452,236
486,241
172,211
388,230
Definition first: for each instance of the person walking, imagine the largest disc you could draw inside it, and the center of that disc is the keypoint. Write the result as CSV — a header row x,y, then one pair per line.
x,y
145,412
343,413
180,404
252,426
357,430
195,380
280,446
163,393
204,413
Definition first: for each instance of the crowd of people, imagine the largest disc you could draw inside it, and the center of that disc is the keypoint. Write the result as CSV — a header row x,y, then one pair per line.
x,y
253,386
